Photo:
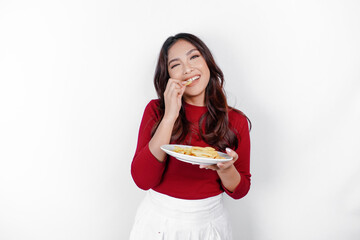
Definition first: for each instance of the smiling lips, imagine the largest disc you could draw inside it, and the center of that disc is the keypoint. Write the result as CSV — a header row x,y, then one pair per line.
x,y
189,81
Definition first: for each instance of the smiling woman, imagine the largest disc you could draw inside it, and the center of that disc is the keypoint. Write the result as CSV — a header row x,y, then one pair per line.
x,y
184,200
187,64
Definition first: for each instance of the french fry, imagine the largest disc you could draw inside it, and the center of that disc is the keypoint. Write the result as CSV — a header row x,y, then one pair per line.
x,y
188,82
207,152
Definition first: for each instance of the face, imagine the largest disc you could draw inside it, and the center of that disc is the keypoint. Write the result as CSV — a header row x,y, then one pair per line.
x,y
186,62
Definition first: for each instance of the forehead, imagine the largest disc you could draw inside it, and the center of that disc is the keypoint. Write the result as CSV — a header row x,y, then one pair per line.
x,y
179,49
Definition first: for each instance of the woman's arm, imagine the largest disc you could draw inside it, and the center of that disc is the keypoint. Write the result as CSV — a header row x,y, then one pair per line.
x,y
235,175
161,137
172,96
148,163
146,170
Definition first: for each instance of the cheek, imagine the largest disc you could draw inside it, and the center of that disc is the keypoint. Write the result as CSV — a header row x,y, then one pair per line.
x,y
203,66
174,73
206,82
206,71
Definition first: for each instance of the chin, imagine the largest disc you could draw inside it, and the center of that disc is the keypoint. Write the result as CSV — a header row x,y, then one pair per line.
x,y
193,94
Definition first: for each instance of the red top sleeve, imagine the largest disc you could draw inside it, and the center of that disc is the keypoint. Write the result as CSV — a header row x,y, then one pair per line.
x,y
242,164
146,170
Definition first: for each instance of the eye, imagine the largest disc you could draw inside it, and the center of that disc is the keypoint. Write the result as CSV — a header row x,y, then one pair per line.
x,y
174,66
194,56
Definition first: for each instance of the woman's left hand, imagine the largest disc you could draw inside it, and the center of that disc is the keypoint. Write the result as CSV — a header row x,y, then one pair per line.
x,y
223,166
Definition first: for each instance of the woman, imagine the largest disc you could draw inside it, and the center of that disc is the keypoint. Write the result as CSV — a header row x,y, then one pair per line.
x,y
184,201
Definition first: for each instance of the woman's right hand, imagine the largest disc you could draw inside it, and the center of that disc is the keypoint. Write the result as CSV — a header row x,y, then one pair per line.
x,y
172,96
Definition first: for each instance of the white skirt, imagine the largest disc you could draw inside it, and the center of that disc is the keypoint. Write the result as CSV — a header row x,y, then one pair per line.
x,y
167,218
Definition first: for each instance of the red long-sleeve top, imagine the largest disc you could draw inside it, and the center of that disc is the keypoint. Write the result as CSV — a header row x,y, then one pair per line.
x,y
184,180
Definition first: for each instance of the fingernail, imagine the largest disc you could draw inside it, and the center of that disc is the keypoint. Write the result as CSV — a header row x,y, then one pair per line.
x,y
228,150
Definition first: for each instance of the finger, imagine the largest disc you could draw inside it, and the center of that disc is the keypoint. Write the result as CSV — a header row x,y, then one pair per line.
x,y
171,82
176,92
176,88
221,165
171,88
225,165
174,81
211,167
182,90
231,153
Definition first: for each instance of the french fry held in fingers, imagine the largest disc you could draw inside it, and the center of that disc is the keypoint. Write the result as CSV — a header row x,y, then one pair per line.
x,y
207,152
188,82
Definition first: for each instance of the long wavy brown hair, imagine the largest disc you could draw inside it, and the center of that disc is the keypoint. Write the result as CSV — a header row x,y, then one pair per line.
x,y
217,131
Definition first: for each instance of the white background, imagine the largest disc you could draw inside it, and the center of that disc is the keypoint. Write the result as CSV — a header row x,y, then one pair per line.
x,y
76,76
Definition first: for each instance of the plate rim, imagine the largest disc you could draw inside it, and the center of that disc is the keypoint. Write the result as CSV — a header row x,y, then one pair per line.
x,y
192,159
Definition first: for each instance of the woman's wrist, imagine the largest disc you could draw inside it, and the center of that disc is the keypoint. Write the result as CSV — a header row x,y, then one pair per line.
x,y
227,170
230,178
168,120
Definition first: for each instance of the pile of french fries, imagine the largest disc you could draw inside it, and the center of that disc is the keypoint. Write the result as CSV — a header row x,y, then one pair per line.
x,y
207,152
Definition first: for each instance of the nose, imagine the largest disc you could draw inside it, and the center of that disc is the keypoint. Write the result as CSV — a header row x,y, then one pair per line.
x,y
188,68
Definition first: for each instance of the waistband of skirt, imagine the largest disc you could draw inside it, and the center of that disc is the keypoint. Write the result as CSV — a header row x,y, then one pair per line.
x,y
199,209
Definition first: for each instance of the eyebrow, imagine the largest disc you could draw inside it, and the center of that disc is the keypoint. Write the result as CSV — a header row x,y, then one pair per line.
x,y
187,54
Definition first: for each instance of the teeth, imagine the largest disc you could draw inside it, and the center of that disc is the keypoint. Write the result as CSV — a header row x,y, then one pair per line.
x,y
194,78
191,80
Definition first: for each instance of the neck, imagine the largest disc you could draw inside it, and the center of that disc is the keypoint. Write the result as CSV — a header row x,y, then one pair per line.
x,y
196,100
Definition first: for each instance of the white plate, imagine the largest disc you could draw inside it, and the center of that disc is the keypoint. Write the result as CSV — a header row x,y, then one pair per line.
x,y
169,149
